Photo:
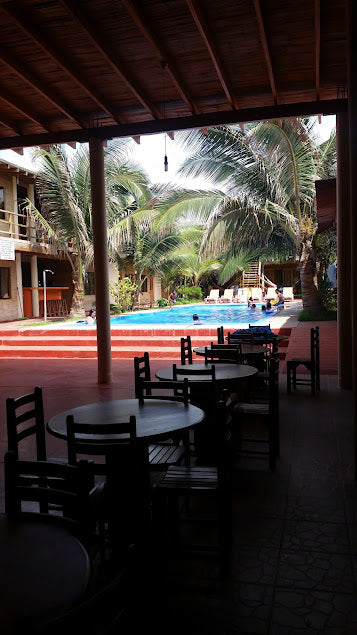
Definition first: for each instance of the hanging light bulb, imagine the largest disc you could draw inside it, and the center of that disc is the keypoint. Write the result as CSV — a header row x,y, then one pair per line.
x,y
166,163
163,65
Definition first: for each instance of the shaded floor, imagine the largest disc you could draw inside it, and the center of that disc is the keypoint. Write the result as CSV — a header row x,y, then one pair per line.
x,y
295,532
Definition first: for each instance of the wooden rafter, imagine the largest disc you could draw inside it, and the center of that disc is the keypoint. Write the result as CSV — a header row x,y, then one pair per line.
x,y
263,37
317,47
141,22
23,19
25,74
14,103
98,40
204,30
283,111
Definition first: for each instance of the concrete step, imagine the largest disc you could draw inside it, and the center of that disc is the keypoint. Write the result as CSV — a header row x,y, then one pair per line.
x,y
71,343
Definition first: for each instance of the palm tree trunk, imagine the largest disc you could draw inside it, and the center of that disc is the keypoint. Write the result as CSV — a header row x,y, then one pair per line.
x,y
308,276
77,308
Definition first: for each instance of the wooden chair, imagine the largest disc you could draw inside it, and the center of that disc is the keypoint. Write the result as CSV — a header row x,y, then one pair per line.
x,y
185,483
312,364
225,354
141,370
262,418
34,488
244,338
121,497
220,335
186,350
204,392
25,418
177,449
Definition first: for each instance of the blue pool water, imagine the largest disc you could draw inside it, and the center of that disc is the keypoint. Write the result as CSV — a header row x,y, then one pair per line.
x,y
182,315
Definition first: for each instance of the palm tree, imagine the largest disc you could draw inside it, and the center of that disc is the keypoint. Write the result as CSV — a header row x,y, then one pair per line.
x,y
267,174
65,212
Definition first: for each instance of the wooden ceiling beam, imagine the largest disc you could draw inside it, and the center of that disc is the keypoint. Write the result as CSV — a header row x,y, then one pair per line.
x,y
13,103
267,57
25,74
205,33
265,113
317,47
99,41
142,23
23,20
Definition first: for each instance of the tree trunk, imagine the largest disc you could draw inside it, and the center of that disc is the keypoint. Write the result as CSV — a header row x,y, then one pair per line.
x,y
308,277
77,308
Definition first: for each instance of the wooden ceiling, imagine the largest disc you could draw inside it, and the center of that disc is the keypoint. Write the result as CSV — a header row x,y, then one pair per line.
x,y
70,69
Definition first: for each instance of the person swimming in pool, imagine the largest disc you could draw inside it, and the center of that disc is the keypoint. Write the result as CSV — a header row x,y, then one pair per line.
x,y
196,319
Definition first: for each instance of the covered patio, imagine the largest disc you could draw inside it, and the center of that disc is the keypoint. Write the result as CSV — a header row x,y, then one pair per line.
x,y
295,531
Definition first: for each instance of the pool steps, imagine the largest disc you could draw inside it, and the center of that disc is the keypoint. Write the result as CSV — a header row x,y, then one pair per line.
x,y
76,343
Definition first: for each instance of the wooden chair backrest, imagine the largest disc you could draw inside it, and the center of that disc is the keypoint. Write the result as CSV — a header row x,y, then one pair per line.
x,y
240,337
186,350
141,370
220,335
25,418
225,354
50,485
179,390
96,445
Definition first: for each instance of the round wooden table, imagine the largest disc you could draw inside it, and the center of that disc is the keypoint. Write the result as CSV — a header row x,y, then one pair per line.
x,y
44,570
224,372
155,419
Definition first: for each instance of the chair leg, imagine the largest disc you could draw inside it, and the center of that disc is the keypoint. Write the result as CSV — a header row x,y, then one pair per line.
x,y
313,380
288,379
294,377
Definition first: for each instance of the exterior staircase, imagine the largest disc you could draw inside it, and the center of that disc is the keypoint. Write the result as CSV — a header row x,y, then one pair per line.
x,y
252,277
76,343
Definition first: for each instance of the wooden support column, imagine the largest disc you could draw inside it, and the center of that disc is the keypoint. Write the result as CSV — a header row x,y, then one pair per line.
x,y
344,296
352,115
34,283
101,273
19,291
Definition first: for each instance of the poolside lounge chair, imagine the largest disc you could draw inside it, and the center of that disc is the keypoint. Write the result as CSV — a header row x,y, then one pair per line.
x,y
270,293
242,295
256,294
288,293
227,296
213,297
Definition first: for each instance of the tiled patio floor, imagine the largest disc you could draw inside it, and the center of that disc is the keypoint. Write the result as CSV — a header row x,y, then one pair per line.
x,y
295,532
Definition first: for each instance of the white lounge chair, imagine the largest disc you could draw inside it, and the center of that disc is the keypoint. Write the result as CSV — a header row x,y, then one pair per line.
x,y
256,294
288,293
213,297
242,295
271,293
227,296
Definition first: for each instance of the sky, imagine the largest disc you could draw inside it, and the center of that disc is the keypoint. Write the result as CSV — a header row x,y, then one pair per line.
x,y
151,151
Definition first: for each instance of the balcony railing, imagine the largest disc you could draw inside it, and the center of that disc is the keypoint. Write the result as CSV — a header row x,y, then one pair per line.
x,y
20,226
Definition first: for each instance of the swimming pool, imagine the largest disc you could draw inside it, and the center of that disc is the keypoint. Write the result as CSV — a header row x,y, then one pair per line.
x,y
209,315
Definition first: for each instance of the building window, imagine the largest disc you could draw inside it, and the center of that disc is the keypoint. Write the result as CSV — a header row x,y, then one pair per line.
x,y
4,283
144,285
89,285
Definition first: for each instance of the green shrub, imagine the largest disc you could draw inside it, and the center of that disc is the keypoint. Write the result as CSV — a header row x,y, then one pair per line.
x,y
123,292
322,315
191,293
161,302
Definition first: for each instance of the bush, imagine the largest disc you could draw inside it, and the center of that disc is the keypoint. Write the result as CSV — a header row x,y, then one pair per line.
x,y
322,315
161,302
191,293
123,292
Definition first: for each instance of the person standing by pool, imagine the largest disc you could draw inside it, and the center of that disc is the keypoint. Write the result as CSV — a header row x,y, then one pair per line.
x,y
172,298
